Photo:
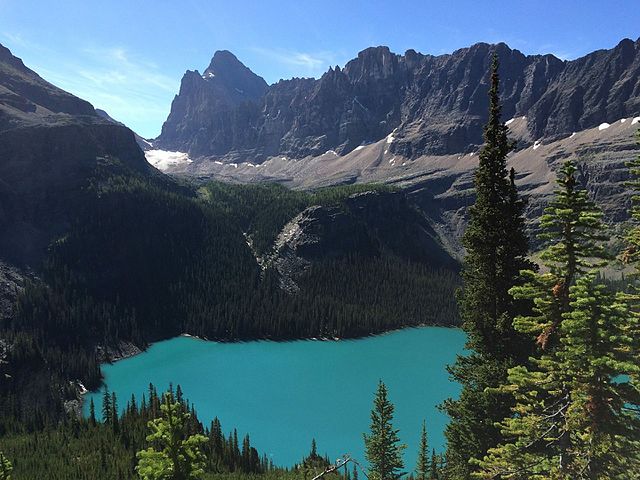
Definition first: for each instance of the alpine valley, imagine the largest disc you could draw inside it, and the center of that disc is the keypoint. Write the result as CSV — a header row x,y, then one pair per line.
x,y
326,208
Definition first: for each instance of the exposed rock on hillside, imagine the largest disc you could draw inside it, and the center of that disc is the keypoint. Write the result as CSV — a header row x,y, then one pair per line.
x,y
367,225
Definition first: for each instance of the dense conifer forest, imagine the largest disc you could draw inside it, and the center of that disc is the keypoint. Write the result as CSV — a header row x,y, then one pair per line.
x,y
105,445
148,258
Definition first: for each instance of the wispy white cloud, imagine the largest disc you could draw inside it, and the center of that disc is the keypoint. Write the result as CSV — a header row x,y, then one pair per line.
x,y
300,63
130,88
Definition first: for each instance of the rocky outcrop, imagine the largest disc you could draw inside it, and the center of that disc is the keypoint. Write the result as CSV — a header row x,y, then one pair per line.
x,y
11,284
431,105
368,225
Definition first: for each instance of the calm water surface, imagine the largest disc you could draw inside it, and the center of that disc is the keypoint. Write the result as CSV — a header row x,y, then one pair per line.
x,y
283,394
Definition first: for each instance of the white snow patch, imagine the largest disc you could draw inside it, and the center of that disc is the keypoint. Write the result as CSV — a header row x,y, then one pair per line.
x,y
603,126
234,165
392,161
524,118
330,152
471,154
537,144
250,164
635,120
147,142
209,75
404,163
573,135
510,121
217,162
359,147
390,137
82,388
623,120
163,159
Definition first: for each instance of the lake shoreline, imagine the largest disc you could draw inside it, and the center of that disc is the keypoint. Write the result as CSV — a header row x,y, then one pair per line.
x,y
125,350
240,382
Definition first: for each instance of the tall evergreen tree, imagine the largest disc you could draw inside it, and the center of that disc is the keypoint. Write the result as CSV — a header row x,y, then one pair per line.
x,y
92,413
383,449
173,454
423,465
435,470
107,411
114,412
574,415
496,250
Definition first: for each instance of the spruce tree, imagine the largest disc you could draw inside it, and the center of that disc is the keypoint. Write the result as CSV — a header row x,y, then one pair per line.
x,y
434,473
383,449
173,454
496,250
107,411
574,414
423,465
114,413
92,413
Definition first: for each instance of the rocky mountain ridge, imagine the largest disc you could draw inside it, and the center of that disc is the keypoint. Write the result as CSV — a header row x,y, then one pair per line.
x,y
50,144
432,105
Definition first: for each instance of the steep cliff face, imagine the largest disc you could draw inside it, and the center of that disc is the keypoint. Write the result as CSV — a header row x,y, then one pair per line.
x,y
221,102
433,105
50,145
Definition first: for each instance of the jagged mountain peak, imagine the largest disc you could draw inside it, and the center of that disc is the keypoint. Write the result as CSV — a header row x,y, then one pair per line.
x,y
227,70
224,61
436,104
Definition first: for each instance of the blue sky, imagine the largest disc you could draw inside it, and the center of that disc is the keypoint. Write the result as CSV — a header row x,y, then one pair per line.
x,y
128,56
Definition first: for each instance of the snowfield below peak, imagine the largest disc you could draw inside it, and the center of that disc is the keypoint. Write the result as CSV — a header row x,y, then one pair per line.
x,y
163,159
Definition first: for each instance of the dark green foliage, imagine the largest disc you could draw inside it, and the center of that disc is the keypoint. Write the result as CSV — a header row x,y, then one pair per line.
x,y
423,464
496,249
575,415
382,445
174,453
78,449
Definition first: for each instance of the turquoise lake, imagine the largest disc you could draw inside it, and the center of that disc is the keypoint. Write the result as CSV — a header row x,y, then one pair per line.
x,y
286,393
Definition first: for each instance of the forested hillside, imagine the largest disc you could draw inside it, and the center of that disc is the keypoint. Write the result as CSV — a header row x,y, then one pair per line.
x,y
145,258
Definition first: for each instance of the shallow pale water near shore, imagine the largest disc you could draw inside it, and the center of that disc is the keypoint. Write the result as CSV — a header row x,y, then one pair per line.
x,y
286,393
